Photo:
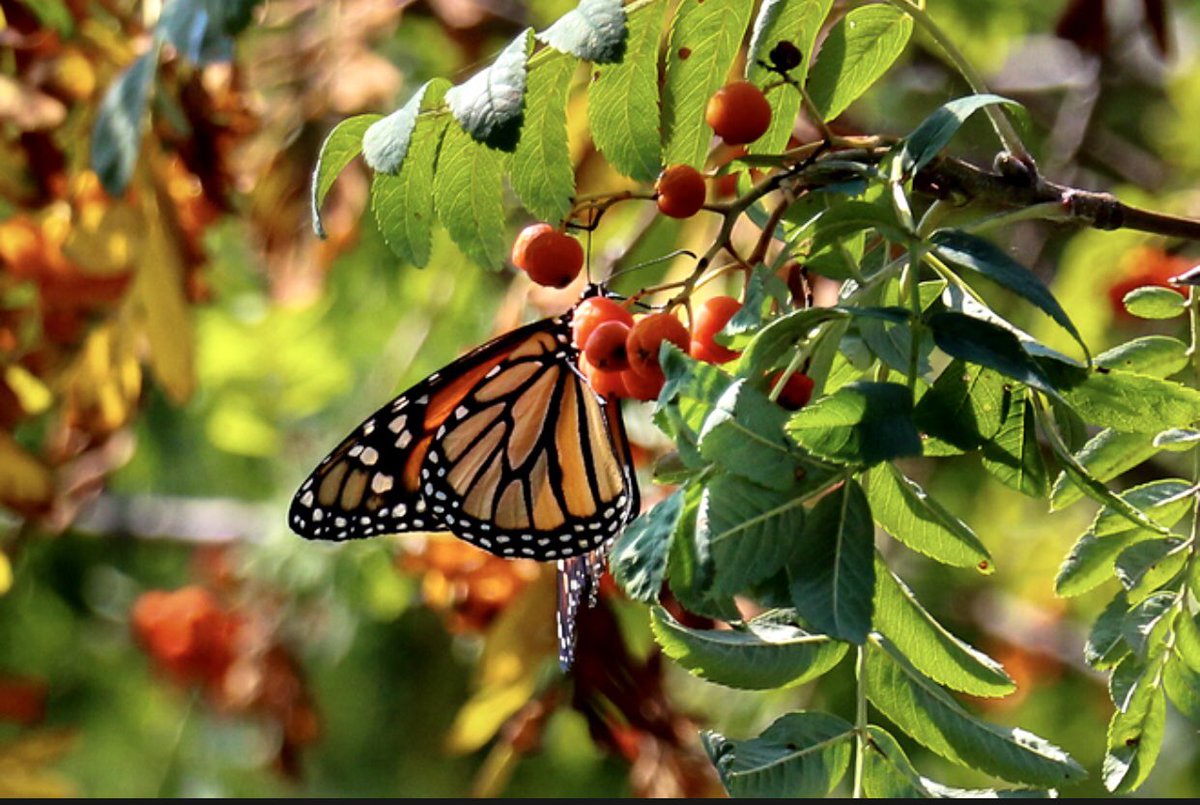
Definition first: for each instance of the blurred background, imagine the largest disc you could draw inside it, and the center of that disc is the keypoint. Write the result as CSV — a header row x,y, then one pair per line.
x,y
174,360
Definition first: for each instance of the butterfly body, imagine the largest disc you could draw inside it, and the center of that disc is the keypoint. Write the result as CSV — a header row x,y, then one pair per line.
x,y
507,448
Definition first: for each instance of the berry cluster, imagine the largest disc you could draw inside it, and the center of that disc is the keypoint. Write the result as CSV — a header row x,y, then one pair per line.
x,y
618,351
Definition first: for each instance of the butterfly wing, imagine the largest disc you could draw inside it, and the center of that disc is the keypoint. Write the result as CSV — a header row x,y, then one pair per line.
x,y
529,465
370,484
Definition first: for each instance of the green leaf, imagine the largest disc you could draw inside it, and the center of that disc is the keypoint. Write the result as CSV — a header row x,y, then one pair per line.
x,y
468,191
1148,623
966,407
928,646
1106,644
490,105
385,143
860,423
403,203
1106,455
1135,736
783,334
936,131
799,755
1153,355
1145,567
1153,302
1181,683
692,389
1097,491
967,251
887,772
1014,456
623,100
117,133
982,342
704,39
1187,641
1092,558
744,435
928,714
797,22
904,510
832,570
593,31
690,564
751,531
341,146
639,554
1165,501
857,52
765,654
1128,402
542,174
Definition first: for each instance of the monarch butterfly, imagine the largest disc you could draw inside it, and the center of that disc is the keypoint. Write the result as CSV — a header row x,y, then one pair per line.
x,y
507,447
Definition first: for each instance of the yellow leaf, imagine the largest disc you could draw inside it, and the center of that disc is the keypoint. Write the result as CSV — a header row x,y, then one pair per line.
x,y
31,392
104,383
159,302
508,672
6,574
25,482
23,763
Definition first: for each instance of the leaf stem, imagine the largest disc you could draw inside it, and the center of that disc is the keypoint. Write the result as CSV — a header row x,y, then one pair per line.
x,y
860,719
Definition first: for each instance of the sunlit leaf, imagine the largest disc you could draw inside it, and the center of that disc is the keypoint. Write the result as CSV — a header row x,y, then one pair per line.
x,y
468,195
490,105
857,52
704,38
542,174
919,521
341,146
623,100
594,31
639,554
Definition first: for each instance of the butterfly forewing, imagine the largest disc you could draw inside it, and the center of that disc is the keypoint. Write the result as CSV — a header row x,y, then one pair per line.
x,y
371,483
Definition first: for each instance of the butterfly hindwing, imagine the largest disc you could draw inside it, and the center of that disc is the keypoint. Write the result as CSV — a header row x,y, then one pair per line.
x,y
527,466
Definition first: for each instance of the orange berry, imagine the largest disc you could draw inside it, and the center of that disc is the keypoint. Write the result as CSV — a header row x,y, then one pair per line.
x,y
641,386
647,335
681,191
549,257
606,347
606,384
796,392
739,113
591,313
711,318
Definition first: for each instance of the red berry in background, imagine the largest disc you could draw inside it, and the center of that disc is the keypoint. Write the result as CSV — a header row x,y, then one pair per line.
x,y
591,313
647,335
186,632
681,191
739,113
605,347
641,386
711,317
1144,266
549,257
796,392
